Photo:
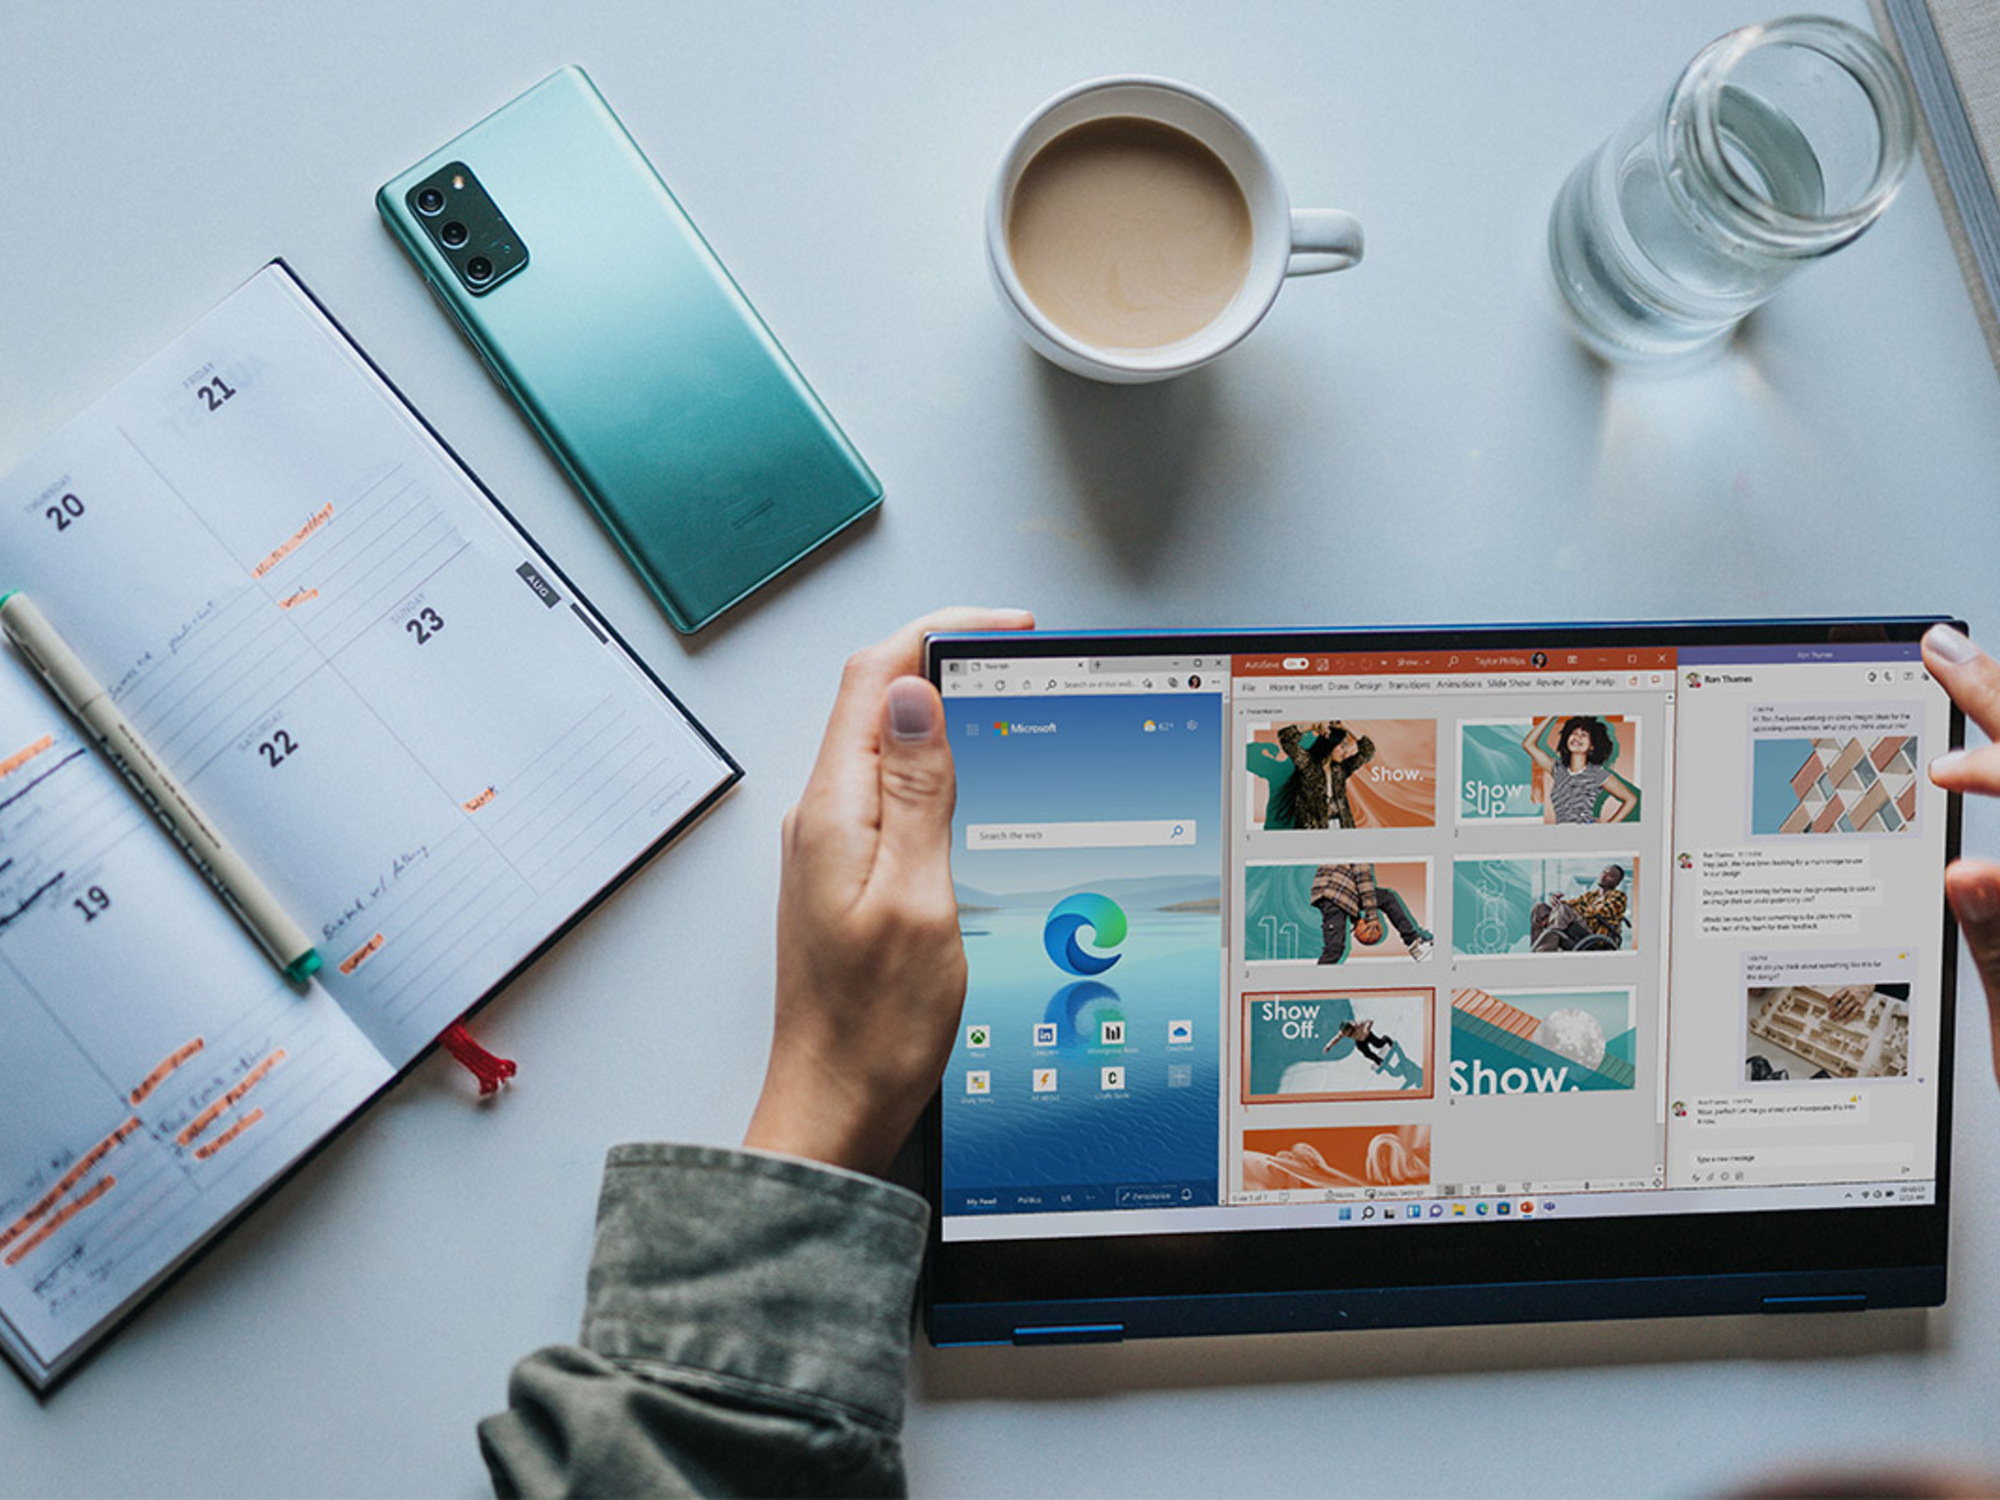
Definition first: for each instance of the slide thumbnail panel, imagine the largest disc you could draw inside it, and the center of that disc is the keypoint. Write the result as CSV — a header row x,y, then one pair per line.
x,y
1545,904
1336,1156
1549,1041
1324,1046
1351,911
1351,773
1549,768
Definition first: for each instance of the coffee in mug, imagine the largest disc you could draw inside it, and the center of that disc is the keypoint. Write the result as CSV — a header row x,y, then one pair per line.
x,y
1129,234
1136,229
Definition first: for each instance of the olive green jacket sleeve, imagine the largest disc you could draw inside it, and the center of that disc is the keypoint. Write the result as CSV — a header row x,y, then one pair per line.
x,y
747,1331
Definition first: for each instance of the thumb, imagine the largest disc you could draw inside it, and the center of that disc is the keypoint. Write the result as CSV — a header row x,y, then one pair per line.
x,y
1974,888
919,788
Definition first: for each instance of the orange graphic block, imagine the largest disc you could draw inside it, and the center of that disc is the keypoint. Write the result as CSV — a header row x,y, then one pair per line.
x,y
1887,750
301,597
1828,816
1806,775
1496,1012
1336,1156
478,802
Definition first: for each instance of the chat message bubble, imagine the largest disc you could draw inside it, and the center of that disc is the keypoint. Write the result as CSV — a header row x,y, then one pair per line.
x,y
1824,720
1834,770
1746,891
1784,1112
1832,968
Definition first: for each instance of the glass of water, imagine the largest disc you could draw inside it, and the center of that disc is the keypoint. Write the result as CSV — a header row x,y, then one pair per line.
x,y
1778,145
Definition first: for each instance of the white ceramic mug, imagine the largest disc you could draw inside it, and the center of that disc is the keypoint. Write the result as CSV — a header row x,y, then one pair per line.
x,y
1284,241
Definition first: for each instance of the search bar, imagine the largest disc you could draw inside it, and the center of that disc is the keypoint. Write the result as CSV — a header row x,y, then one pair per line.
x,y
1165,834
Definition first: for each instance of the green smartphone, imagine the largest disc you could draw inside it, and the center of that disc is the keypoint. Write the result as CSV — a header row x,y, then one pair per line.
x,y
560,253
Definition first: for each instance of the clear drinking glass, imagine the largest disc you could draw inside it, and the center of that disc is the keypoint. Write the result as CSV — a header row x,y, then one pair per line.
x,y
1779,144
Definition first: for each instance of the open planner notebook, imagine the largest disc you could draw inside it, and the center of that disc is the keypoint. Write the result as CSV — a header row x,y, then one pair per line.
x,y
432,751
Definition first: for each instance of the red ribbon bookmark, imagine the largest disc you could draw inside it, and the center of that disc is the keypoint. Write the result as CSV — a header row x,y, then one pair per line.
x,y
491,1071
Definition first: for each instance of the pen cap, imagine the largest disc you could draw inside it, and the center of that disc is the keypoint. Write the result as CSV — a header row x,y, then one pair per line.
x,y
37,640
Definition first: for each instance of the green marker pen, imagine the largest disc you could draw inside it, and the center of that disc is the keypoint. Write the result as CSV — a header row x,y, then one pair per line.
x,y
290,949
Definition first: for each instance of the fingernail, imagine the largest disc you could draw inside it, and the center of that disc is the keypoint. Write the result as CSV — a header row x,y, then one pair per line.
x,y
910,709
1950,643
1977,903
1947,763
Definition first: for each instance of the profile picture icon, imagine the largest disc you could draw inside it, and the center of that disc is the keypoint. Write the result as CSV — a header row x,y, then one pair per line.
x,y
1194,681
1539,659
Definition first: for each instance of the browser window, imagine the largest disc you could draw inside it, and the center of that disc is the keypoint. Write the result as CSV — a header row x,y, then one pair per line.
x,y
1281,940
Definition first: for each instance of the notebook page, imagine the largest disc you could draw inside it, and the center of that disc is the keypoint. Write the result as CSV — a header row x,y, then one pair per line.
x,y
156,1071
372,683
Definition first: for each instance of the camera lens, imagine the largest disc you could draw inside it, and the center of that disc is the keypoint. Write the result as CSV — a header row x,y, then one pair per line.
x,y
453,234
429,201
479,268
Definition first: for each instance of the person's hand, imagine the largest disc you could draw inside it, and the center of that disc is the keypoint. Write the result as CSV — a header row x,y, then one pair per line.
x,y
1972,885
871,970
1845,1003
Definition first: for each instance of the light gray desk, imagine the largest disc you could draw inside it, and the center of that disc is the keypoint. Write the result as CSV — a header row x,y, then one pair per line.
x,y
1414,440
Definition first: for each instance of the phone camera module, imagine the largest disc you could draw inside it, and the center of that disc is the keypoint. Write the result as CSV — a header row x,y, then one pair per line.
x,y
464,226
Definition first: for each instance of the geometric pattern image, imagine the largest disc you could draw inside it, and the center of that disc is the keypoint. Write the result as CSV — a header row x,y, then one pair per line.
x,y
1541,1041
1336,1156
1801,1032
1835,785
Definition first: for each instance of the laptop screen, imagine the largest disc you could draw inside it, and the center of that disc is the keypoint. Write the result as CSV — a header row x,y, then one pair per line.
x,y
1334,932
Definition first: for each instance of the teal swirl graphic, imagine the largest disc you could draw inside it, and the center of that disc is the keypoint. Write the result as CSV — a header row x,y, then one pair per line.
x,y
1106,921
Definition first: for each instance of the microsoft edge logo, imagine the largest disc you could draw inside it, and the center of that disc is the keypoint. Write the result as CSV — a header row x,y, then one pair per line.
x,y
1106,921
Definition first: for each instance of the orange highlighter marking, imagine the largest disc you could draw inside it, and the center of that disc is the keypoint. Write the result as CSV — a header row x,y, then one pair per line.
x,y
70,1179
299,598
70,1210
20,758
229,1100
203,1153
287,547
167,1065
361,955
478,802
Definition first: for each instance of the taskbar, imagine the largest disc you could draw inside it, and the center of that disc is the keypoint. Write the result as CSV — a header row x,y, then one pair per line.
x,y
1080,1197
1423,1206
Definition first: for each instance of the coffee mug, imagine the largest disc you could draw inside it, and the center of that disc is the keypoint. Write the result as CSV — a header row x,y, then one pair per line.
x,y
1137,229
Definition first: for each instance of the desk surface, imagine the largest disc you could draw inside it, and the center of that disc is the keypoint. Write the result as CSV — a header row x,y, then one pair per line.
x,y
1425,411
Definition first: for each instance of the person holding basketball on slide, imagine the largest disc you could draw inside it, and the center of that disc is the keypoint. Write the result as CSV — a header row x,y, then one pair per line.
x,y
1349,893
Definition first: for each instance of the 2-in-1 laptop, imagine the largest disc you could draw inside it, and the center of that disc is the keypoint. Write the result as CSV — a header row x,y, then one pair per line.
x,y
1326,979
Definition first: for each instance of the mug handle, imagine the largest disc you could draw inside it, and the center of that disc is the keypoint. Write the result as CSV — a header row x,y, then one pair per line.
x,y
1323,239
